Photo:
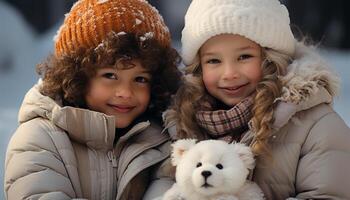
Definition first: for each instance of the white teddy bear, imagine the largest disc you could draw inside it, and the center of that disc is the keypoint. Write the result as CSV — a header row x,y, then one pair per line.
x,y
212,170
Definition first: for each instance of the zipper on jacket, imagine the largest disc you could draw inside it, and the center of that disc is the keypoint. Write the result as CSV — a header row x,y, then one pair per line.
x,y
112,158
114,162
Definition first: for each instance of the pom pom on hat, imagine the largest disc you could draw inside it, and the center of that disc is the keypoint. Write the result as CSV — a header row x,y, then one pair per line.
x,y
265,22
90,21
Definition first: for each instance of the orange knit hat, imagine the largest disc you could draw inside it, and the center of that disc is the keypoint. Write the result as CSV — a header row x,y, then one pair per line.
x,y
90,21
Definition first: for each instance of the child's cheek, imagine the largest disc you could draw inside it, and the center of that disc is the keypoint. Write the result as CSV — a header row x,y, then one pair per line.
x,y
209,78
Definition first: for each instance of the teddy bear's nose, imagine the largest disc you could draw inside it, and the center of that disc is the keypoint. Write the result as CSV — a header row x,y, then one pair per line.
x,y
206,174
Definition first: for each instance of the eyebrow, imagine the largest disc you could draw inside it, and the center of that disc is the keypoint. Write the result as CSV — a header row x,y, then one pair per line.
x,y
245,48
208,54
145,72
236,49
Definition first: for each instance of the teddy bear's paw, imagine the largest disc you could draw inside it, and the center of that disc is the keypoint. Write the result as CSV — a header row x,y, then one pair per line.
x,y
173,194
173,197
226,197
251,191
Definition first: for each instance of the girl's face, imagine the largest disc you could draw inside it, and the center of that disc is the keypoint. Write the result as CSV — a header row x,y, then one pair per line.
x,y
231,66
123,93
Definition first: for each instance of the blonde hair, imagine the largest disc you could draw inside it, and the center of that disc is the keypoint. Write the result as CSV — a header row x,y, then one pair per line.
x,y
185,104
192,93
268,89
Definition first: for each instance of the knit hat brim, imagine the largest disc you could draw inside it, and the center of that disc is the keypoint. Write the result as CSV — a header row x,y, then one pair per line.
x,y
261,24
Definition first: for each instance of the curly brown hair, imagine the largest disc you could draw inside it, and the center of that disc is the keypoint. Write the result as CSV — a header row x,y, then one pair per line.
x,y
67,77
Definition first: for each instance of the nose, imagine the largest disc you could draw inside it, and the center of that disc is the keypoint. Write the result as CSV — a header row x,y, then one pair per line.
x,y
123,91
230,71
206,174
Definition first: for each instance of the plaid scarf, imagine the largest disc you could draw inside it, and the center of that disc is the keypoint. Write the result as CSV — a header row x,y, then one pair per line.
x,y
229,124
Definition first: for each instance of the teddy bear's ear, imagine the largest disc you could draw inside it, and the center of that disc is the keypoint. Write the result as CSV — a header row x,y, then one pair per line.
x,y
245,153
180,147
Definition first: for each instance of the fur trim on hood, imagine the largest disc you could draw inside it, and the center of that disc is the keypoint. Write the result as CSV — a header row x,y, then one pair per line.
x,y
309,82
306,75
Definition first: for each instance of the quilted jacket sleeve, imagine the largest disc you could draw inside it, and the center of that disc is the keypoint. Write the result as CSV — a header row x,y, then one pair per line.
x,y
33,167
163,177
323,170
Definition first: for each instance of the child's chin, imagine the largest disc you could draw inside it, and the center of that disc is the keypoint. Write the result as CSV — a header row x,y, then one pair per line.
x,y
121,124
231,102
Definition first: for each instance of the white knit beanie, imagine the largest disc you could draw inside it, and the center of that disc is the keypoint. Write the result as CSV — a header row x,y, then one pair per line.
x,y
265,22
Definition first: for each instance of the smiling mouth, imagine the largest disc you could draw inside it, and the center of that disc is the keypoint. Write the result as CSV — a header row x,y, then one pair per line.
x,y
122,108
234,90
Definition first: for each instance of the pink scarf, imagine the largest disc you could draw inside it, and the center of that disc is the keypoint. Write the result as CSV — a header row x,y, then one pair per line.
x,y
229,124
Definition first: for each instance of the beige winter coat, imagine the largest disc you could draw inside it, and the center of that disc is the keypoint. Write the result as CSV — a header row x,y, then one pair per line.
x,y
60,153
310,145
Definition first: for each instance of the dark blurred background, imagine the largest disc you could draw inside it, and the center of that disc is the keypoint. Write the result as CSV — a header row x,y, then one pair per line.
x,y
41,14
326,22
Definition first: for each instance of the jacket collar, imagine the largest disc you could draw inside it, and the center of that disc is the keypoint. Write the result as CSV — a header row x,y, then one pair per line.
x,y
94,129
308,83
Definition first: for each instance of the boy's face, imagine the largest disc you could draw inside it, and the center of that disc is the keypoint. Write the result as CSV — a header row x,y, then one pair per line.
x,y
123,93
231,66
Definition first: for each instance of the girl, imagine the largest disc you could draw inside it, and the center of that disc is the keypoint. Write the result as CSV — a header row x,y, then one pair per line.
x,y
248,80
89,130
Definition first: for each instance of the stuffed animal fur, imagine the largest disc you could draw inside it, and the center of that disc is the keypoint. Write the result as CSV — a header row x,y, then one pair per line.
x,y
212,170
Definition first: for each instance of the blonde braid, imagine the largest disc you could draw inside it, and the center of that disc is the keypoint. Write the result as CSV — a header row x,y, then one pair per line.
x,y
268,89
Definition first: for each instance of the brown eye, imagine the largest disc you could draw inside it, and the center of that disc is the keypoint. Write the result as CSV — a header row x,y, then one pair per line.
x,y
213,61
141,79
244,57
199,164
110,75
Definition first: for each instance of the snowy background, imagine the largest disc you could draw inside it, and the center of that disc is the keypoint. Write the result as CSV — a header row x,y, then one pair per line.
x,y
22,47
